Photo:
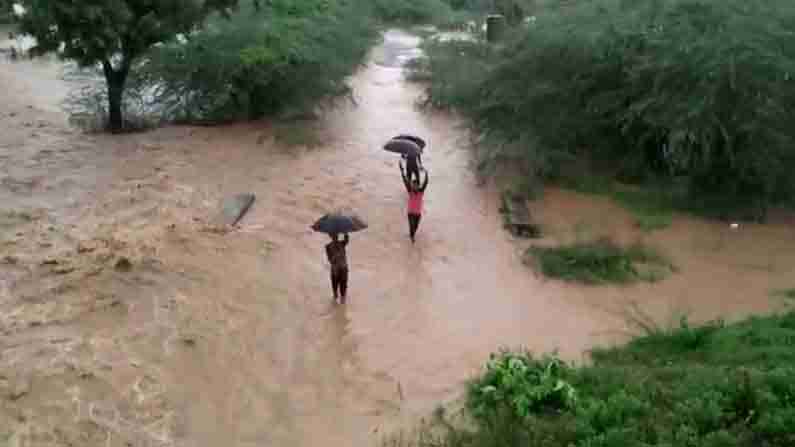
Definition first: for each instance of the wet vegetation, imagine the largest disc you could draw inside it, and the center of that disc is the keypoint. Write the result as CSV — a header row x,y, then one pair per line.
x,y
112,37
600,262
712,385
259,63
788,294
6,13
412,11
253,62
449,14
692,93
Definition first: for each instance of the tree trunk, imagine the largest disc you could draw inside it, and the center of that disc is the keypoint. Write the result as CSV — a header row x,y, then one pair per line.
x,y
115,79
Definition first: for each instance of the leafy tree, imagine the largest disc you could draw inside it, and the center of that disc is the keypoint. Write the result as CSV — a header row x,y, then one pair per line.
x,y
112,33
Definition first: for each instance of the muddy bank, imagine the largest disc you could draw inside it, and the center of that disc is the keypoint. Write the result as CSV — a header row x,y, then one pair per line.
x,y
207,337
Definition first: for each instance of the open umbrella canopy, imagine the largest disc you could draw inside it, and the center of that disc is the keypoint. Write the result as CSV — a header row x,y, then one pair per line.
x,y
339,222
413,138
405,147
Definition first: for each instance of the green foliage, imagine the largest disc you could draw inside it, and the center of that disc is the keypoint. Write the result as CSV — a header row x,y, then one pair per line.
x,y
111,33
600,262
715,385
411,11
6,11
257,63
523,384
785,293
297,134
651,205
699,89
92,31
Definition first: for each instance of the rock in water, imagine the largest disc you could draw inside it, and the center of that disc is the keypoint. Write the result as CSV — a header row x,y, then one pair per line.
x,y
234,208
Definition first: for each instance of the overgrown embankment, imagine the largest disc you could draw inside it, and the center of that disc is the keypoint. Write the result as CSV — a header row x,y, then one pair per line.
x,y
715,385
692,96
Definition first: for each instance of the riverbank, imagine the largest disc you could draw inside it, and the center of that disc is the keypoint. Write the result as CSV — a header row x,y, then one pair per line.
x,y
709,385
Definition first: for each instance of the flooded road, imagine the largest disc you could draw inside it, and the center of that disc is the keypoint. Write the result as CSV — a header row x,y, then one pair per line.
x,y
129,319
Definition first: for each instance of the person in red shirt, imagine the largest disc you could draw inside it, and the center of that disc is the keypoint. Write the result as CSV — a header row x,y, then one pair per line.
x,y
416,193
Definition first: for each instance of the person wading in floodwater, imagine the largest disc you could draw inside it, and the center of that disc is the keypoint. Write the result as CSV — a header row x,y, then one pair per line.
x,y
416,193
337,257
413,165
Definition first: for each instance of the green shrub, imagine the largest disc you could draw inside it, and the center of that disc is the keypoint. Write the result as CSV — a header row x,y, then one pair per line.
x,y
699,89
6,11
517,385
258,63
598,262
411,11
785,293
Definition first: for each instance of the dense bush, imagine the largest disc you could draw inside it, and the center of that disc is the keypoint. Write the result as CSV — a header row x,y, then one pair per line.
x,y
696,88
522,384
714,385
411,11
288,54
6,11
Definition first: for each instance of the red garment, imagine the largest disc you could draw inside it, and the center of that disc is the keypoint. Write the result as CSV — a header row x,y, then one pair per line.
x,y
415,202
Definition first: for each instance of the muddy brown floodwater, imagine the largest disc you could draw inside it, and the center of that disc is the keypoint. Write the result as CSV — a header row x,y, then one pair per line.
x,y
128,319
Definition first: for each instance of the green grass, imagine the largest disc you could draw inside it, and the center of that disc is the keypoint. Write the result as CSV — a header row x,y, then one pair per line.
x,y
652,207
600,262
715,385
785,293
297,134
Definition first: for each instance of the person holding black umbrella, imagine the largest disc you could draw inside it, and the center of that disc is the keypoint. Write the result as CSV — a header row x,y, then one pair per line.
x,y
410,148
337,257
413,165
334,224
416,194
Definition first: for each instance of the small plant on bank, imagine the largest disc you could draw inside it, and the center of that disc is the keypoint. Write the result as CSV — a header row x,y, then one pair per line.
x,y
788,294
521,385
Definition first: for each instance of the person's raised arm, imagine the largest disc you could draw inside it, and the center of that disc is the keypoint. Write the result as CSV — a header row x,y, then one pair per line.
x,y
405,180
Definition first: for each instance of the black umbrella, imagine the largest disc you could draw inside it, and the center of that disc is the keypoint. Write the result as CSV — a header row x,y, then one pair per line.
x,y
404,147
413,138
336,223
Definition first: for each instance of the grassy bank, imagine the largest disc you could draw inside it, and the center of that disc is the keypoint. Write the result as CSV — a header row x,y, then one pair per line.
x,y
641,92
600,262
715,385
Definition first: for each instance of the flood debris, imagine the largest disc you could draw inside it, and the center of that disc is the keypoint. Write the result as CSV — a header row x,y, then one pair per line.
x,y
123,265
16,387
517,216
234,208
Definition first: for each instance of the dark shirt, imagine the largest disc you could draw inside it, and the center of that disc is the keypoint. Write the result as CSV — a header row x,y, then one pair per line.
x,y
335,252
407,182
413,161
